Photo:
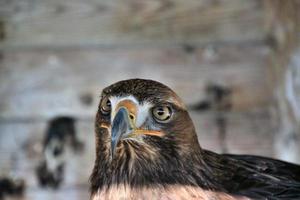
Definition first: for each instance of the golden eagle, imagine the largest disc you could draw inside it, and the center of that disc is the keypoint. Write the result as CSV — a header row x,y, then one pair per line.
x,y
147,148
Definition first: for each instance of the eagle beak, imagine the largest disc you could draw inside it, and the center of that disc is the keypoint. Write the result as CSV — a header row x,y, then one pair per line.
x,y
121,127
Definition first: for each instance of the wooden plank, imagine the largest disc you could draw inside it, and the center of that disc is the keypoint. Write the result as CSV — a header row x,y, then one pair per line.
x,y
56,23
246,133
283,24
252,136
74,193
43,84
21,151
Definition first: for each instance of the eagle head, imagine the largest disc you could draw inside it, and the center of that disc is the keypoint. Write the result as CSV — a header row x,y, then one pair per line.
x,y
143,131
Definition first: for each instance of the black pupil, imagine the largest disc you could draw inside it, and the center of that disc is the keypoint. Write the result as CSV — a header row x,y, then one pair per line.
x,y
160,112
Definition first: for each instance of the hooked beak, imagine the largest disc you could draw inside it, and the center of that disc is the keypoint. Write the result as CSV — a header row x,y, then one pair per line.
x,y
121,128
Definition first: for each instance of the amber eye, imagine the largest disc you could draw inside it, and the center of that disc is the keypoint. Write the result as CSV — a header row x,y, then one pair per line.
x,y
105,106
162,113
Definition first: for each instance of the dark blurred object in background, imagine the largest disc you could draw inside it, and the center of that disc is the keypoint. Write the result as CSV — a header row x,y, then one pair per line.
x,y
11,187
60,134
217,100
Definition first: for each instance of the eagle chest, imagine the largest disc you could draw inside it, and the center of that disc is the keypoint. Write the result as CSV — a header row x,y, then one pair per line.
x,y
161,193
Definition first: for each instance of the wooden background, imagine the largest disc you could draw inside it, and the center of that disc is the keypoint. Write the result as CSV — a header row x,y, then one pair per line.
x,y
56,54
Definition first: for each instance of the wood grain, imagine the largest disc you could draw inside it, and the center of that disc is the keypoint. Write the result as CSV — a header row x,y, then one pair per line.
x,y
284,27
21,150
56,57
70,23
42,84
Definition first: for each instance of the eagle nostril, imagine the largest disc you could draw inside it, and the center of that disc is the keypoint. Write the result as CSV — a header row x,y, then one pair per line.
x,y
131,116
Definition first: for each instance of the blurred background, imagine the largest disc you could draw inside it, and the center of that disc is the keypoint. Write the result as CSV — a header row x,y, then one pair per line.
x,y
235,63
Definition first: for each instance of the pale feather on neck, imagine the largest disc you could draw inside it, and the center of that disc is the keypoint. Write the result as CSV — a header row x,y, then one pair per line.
x,y
174,192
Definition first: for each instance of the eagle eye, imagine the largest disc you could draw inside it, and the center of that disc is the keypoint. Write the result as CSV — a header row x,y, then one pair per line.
x,y
105,106
162,113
